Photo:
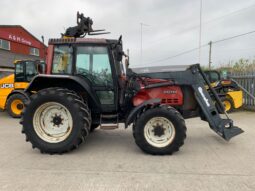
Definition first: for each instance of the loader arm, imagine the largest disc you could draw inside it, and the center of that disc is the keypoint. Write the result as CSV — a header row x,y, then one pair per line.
x,y
194,77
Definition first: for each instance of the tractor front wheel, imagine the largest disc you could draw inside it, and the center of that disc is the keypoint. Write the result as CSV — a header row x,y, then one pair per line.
x,y
56,120
160,130
15,105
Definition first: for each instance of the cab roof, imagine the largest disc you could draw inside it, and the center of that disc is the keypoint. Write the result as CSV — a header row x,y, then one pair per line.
x,y
81,40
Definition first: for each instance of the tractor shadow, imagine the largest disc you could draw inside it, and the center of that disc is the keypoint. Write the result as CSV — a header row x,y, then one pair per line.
x,y
109,141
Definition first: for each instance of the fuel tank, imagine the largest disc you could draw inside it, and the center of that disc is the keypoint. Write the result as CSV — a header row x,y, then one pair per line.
x,y
170,95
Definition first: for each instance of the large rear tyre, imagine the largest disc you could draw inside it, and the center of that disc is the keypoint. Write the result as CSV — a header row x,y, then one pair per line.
x,y
15,105
160,130
56,120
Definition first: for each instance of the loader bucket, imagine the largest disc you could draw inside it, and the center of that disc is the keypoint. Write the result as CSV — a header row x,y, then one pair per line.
x,y
228,133
226,129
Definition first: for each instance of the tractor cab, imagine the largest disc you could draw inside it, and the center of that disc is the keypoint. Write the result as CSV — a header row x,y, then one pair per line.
x,y
96,62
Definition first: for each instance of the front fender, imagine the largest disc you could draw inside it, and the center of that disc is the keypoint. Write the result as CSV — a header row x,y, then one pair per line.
x,y
132,115
19,92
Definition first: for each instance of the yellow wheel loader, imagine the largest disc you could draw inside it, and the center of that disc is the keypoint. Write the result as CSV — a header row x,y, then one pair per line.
x,y
12,85
228,90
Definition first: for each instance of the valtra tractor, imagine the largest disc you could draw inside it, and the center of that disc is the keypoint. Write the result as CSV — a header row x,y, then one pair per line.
x,y
87,85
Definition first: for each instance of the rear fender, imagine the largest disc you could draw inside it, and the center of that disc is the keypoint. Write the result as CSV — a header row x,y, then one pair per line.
x,y
132,115
74,83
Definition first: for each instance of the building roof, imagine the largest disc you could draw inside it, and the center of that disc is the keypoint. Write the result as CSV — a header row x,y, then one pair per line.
x,y
19,26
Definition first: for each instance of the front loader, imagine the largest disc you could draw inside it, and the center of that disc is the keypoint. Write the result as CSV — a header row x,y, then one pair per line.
x,y
194,78
88,86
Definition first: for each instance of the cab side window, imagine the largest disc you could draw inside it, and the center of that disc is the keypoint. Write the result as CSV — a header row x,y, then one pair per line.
x,y
94,64
30,71
214,77
19,72
62,60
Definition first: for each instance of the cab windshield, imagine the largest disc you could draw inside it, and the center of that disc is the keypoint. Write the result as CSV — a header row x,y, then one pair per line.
x,y
212,76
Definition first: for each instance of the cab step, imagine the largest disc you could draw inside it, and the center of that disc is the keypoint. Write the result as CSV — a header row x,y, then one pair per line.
x,y
109,122
109,126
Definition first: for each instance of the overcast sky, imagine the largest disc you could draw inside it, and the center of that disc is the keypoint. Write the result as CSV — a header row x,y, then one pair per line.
x,y
173,25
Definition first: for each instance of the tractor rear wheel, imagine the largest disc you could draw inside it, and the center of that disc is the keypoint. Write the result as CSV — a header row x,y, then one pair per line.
x,y
56,120
15,105
160,130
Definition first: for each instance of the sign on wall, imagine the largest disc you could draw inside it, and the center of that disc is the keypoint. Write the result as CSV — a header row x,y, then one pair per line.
x,y
19,39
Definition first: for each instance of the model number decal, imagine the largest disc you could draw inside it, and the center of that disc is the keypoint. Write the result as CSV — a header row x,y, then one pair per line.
x,y
5,86
203,96
169,91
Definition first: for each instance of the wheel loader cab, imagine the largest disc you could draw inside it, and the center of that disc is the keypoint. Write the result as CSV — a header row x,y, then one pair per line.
x,y
25,70
213,76
12,96
229,92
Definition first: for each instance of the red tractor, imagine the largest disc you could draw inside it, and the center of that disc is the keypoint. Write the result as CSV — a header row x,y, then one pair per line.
x,y
87,86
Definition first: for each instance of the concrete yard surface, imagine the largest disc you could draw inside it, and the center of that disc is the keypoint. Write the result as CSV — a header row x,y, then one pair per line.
x,y
110,160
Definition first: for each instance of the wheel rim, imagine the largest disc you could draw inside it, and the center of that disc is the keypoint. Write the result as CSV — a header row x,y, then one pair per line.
x,y
53,122
159,132
227,105
17,106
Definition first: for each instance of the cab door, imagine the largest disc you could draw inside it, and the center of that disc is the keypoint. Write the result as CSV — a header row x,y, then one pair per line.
x,y
94,63
19,82
24,73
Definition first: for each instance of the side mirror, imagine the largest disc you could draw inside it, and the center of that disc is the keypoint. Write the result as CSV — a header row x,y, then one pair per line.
x,y
41,68
119,53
